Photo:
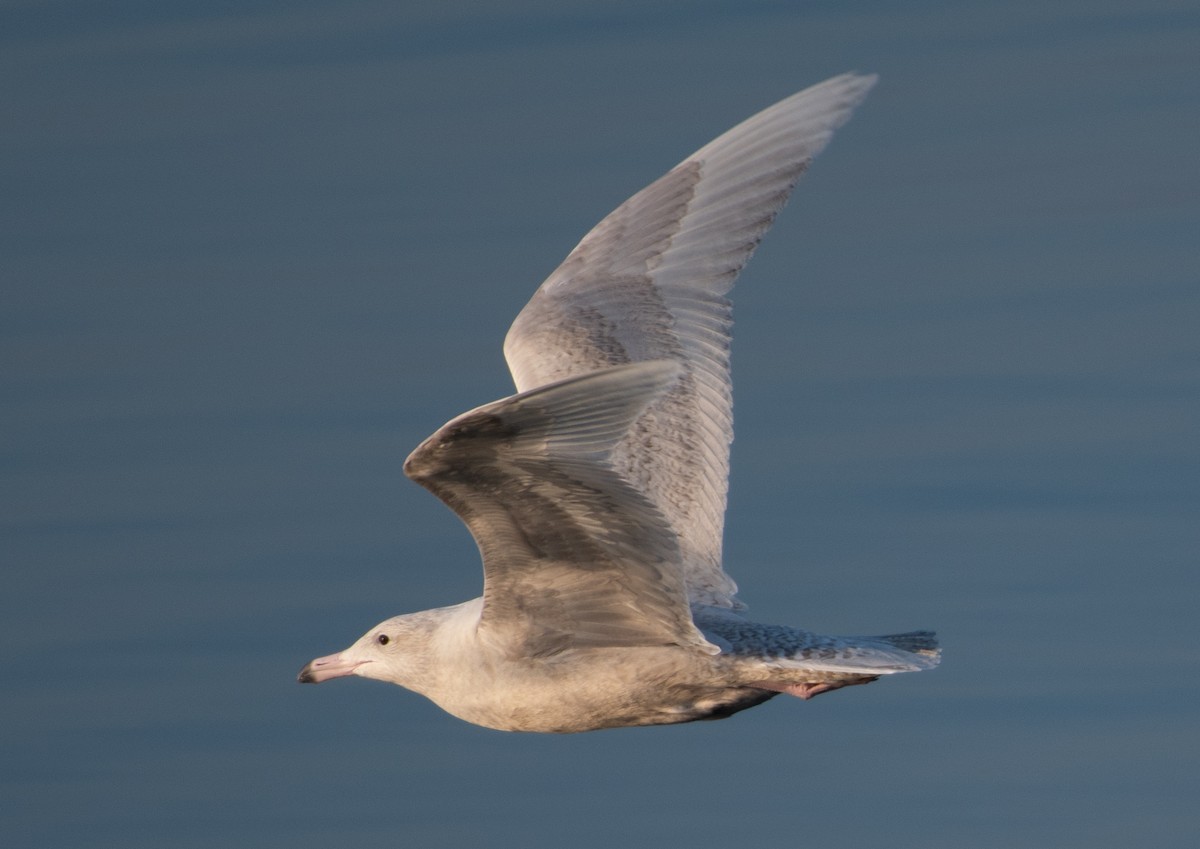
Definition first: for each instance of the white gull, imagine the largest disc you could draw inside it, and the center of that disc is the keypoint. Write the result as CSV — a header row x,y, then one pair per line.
x,y
597,494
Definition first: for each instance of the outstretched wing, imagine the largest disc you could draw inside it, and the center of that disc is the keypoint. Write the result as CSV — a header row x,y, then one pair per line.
x,y
573,556
649,283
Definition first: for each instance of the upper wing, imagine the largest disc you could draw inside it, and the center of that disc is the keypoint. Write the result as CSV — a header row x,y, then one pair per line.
x,y
649,283
572,554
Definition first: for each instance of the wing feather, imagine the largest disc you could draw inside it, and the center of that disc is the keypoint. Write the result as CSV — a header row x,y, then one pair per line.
x,y
573,555
649,283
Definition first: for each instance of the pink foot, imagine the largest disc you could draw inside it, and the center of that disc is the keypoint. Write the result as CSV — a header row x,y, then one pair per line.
x,y
808,690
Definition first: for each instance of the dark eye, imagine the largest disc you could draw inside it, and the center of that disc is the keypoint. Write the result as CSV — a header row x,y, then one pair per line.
x,y
383,639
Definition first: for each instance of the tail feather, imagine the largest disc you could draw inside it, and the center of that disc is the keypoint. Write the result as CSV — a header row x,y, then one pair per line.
x,y
924,643
883,655
874,656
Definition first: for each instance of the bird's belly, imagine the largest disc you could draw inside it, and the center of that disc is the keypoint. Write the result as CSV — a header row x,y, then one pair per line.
x,y
595,690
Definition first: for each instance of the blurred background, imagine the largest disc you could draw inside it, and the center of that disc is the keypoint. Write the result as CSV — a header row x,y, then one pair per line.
x,y
252,253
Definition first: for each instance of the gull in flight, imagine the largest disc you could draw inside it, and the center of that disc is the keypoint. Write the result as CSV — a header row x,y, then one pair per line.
x,y
597,493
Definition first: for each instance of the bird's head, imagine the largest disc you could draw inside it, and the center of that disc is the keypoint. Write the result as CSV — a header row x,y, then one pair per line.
x,y
386,653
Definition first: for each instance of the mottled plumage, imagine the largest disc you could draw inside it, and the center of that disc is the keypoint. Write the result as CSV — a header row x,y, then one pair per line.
x,y
597,494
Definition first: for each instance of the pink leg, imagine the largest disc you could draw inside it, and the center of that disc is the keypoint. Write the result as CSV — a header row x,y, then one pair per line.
x,y
808,690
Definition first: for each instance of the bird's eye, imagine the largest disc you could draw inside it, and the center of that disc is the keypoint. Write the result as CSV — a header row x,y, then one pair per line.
x,y
383,639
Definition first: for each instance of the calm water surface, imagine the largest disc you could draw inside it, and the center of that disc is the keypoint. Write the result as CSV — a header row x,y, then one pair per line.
x,y
252,256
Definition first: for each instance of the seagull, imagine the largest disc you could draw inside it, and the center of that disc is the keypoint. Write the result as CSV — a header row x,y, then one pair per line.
x,y
596,494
